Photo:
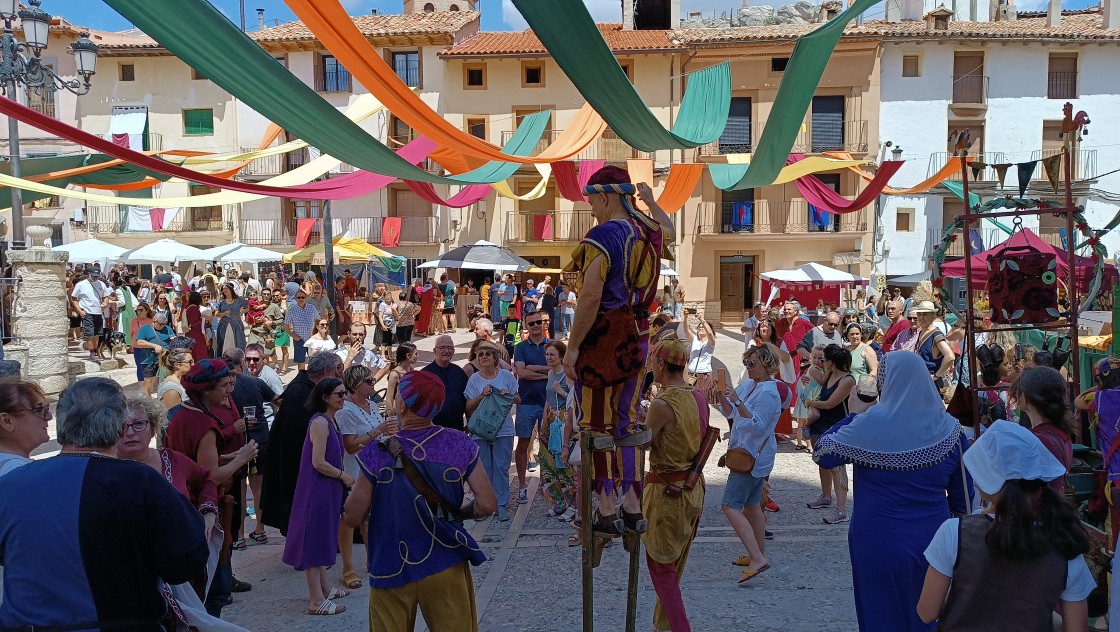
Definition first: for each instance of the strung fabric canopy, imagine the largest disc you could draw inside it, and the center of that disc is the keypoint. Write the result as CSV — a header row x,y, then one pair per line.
x,y
90,250
481,255
572,38
328,21
728,176
240,252
162,251
241,67
803,73
1084,270
346,250
813,275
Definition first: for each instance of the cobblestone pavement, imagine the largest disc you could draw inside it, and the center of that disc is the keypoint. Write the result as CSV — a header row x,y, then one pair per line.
x,y
531,579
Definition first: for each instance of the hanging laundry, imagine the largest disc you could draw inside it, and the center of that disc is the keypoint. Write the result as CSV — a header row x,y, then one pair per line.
x,y
542,227
819,218
1026,172
121,140
742,216
975,241
1053,168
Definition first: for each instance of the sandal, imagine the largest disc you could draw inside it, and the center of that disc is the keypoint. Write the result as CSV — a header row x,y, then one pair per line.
x,y
574,539
240,545
350,579
328,607
337,592
744,560
259,538
751,573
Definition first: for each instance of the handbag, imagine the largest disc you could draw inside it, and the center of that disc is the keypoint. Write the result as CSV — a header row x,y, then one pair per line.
x,y
611,352
556,435
1023,288
487,420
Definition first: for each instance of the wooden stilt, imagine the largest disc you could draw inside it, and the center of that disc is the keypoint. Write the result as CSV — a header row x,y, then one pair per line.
x,y
633,543
591,556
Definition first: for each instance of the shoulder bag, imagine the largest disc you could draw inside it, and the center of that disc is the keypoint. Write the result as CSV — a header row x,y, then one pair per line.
x,y
487,420
740,460
438,505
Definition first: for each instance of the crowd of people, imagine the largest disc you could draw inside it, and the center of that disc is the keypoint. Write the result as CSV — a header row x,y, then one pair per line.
x,y
946,522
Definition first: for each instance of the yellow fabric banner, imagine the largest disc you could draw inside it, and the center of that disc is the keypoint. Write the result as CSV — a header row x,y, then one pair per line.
x,y
952,167
536,193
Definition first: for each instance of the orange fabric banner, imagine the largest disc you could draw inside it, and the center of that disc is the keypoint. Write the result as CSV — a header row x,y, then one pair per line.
x,y
952,166
679,186
336,30
641,170
304,226
391,232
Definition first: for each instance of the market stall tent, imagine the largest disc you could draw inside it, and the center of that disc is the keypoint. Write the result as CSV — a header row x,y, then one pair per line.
x,y
90,251
1084,266
813,275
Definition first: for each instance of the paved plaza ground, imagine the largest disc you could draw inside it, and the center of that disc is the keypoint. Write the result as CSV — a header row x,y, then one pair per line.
x,y
531,579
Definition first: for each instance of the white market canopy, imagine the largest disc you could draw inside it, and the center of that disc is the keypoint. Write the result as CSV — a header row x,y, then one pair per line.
x,y
162,251
239,252
667,271
90,250
813,275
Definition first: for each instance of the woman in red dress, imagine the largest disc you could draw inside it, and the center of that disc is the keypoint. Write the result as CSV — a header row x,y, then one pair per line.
x,y
194,328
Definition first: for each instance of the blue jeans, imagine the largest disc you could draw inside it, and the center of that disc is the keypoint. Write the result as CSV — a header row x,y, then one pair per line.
x,y
566,323
221,589
495,457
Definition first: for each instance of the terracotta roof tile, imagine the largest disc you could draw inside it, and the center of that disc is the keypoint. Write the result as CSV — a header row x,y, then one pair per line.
x,y
1076,25
436,23
526,42
131,38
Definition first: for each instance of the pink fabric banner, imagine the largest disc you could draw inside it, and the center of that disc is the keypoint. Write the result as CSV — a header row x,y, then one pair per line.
x,y
465,197
304,228
157,217
821,195
121,140
569,182
344,187
542,227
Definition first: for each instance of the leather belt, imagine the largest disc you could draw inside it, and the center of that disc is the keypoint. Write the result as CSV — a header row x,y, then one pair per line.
x,y
666,478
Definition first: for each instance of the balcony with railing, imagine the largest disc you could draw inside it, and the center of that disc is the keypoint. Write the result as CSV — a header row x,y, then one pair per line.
x,y
991,238
1083,165
850,136
609,147
282,232
333,79
970,89
747,137
114,219
763,217
149,141
1061,85
545,227
42,101
980,166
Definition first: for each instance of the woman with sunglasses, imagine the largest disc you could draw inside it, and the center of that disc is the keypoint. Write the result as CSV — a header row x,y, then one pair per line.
x,y
360,424
320,339
163,305
280,338
171,393
312,542
497,454
405,360
143,317
24,415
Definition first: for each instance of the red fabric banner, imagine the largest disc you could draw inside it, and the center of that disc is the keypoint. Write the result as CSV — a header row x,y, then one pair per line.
x,y
304,226
542,227
824,198
343,187
121,140
569,182
157,217
391,231
465,197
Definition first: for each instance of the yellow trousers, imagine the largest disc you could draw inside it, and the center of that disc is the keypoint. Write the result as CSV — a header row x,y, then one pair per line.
x,y
446,600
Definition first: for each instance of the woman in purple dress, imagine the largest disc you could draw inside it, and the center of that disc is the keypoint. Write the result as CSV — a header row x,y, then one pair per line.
x,y
312,543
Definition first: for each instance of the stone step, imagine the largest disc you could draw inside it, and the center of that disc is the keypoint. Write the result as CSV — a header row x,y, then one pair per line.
x,y
126,376
89,367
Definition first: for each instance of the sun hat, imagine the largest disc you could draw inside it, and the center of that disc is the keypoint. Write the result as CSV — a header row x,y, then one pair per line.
x,y
672,350
422,392
1008,451
923,307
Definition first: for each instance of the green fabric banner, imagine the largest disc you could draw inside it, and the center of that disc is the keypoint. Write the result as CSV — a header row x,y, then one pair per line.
x,y
572,38
205,39
956,187
795,94
119,174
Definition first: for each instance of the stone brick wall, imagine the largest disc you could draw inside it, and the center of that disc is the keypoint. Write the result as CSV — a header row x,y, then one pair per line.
x,y
39,322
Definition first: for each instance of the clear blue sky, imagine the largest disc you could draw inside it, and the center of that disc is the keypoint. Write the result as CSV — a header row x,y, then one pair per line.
x,y
497,15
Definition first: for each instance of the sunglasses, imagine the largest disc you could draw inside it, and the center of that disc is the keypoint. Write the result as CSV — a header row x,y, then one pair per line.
x,y
252,360
137,425
323,325
484,354
342,394
42,411
535,323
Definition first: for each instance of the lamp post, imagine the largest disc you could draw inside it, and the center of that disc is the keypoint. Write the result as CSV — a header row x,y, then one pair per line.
x,y
20,64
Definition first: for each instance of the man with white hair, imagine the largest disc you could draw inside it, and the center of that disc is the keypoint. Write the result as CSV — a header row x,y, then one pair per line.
x,y
454,378
87,538
89,298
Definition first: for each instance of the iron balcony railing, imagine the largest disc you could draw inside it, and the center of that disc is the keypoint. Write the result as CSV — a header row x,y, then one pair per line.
x,y
991,237
970,89
1061,85
334,80
980,165
282,232
763,217
114,219
541,227
741,142
1083,165
848,136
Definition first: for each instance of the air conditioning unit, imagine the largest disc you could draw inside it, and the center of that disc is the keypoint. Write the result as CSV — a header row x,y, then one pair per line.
x,y
78,216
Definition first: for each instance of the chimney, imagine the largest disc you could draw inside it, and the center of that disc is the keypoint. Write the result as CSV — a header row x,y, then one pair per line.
x,y
373,11
260,18
1111,14
1054,14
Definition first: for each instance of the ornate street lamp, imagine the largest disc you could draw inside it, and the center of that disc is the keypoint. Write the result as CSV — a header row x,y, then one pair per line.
x,y
20,64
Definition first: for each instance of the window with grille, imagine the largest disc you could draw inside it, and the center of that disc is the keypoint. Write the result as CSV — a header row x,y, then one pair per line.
x,y
198,122
1061,78
407,67
477,127
41,100
335,78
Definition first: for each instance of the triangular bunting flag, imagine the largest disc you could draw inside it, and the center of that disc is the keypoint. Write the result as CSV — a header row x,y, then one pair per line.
x,y
977,166
1026,172
1052,166
1001,172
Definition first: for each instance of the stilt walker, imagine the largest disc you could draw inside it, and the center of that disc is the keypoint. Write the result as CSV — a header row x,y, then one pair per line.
x,y
619,264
